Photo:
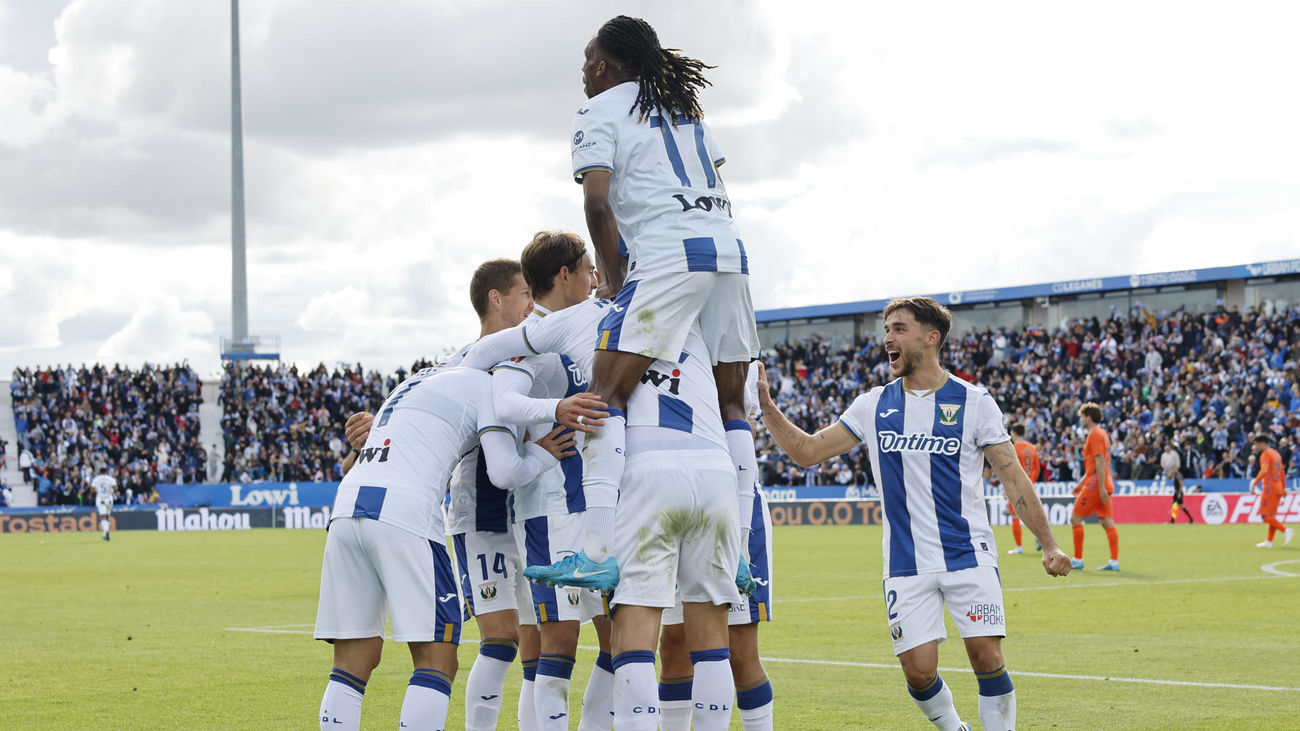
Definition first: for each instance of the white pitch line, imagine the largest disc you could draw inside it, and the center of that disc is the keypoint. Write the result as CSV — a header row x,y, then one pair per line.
x,y
1060,676
1272,568
1277,574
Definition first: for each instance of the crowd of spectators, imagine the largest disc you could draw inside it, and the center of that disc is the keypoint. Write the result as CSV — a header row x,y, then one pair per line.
x,y
1184,388
139,426
283,425
1193,385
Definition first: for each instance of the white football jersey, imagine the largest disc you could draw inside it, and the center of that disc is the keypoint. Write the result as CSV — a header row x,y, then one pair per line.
x,y
419,436
928,460
552,376
670,204
679,395
104,486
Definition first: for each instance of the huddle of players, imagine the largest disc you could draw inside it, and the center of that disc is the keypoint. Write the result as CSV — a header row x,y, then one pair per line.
x,y
667,442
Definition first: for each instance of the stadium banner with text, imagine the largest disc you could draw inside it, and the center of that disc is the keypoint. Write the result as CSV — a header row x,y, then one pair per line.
x,y
780,493
81,519
1213,508
825,512
255,495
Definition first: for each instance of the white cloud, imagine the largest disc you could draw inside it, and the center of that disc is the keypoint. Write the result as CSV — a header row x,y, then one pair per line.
x,y
873,150
162,331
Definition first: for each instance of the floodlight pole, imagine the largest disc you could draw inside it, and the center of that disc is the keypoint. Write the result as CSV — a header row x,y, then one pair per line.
x,y
239,274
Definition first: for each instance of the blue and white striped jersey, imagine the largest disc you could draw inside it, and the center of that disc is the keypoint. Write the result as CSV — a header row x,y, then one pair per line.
x,y
670,204
927,457
545,377
420,434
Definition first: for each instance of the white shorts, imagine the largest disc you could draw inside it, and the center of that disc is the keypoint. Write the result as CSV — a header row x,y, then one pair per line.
x,y
370,566
914,606
491,575
758,606
544,538
104,507
653,316
676,531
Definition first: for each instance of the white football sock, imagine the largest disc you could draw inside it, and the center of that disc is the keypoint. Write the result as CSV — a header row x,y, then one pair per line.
x,y
602,471
755,706
636,695
997,700
483,687
740,442
936,703
340,708
427,699
551,692
526,714
598,700
713,690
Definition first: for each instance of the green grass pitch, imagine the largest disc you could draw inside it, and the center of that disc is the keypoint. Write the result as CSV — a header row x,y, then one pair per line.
x,y
137,633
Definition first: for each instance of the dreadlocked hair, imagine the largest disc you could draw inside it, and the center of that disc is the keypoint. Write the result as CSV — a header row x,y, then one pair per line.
x,y
667,80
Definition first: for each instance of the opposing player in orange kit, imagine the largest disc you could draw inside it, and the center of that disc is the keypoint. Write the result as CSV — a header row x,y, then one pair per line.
x,y
1273,476
1095,489
1027,453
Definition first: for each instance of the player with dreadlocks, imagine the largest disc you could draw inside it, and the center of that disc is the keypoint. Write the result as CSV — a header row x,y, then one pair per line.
x,y
647,164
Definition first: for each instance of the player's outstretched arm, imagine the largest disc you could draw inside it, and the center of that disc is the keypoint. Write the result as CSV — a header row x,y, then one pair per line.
x,y
497,347
603,229
508,469
510,387
1023,497
804,448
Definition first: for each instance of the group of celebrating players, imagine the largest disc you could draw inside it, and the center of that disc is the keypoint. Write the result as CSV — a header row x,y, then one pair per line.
x,y
603,448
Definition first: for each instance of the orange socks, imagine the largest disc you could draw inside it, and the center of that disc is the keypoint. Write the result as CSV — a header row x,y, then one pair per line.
x,y
1078,541
1015,529
1112,537
1274,526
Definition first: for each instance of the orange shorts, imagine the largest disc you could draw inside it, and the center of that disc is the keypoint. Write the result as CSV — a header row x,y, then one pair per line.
x,y
1268,504
1089,502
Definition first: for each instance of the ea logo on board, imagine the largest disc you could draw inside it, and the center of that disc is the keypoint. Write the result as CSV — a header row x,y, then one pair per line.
x,y
1214,509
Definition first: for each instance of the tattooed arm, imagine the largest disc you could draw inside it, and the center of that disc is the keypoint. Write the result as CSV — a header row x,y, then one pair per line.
x,y
804,448
1022,496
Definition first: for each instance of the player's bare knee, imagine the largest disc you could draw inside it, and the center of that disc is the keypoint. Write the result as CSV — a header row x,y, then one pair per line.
x,y
560,638
674,660
358,657
985,654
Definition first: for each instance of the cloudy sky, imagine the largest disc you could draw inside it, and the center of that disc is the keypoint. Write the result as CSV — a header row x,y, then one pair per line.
x,y
873,149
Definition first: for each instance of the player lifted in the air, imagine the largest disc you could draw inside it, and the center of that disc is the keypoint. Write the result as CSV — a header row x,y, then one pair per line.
x,y
385,551
928,434
648,164
105,490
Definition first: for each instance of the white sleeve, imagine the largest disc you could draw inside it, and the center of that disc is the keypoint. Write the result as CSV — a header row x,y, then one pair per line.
x,y
495,348
593,141
857,416
511,382
506,467
711,144
990,426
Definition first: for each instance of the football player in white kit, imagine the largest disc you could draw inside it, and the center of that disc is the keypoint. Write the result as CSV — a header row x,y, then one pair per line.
x,y
677,528
929,433
647,164
753,689
105,490
477,525
539,392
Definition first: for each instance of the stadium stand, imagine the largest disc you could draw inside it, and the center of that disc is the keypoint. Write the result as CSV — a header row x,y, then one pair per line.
x,y
140,425
1203,381
282,425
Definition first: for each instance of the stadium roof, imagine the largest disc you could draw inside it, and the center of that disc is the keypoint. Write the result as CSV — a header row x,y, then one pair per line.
x,y
1049,289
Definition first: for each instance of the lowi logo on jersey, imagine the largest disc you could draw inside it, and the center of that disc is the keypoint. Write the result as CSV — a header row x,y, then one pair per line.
x,y
948,414
917,442
375,454
989,614
657,378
